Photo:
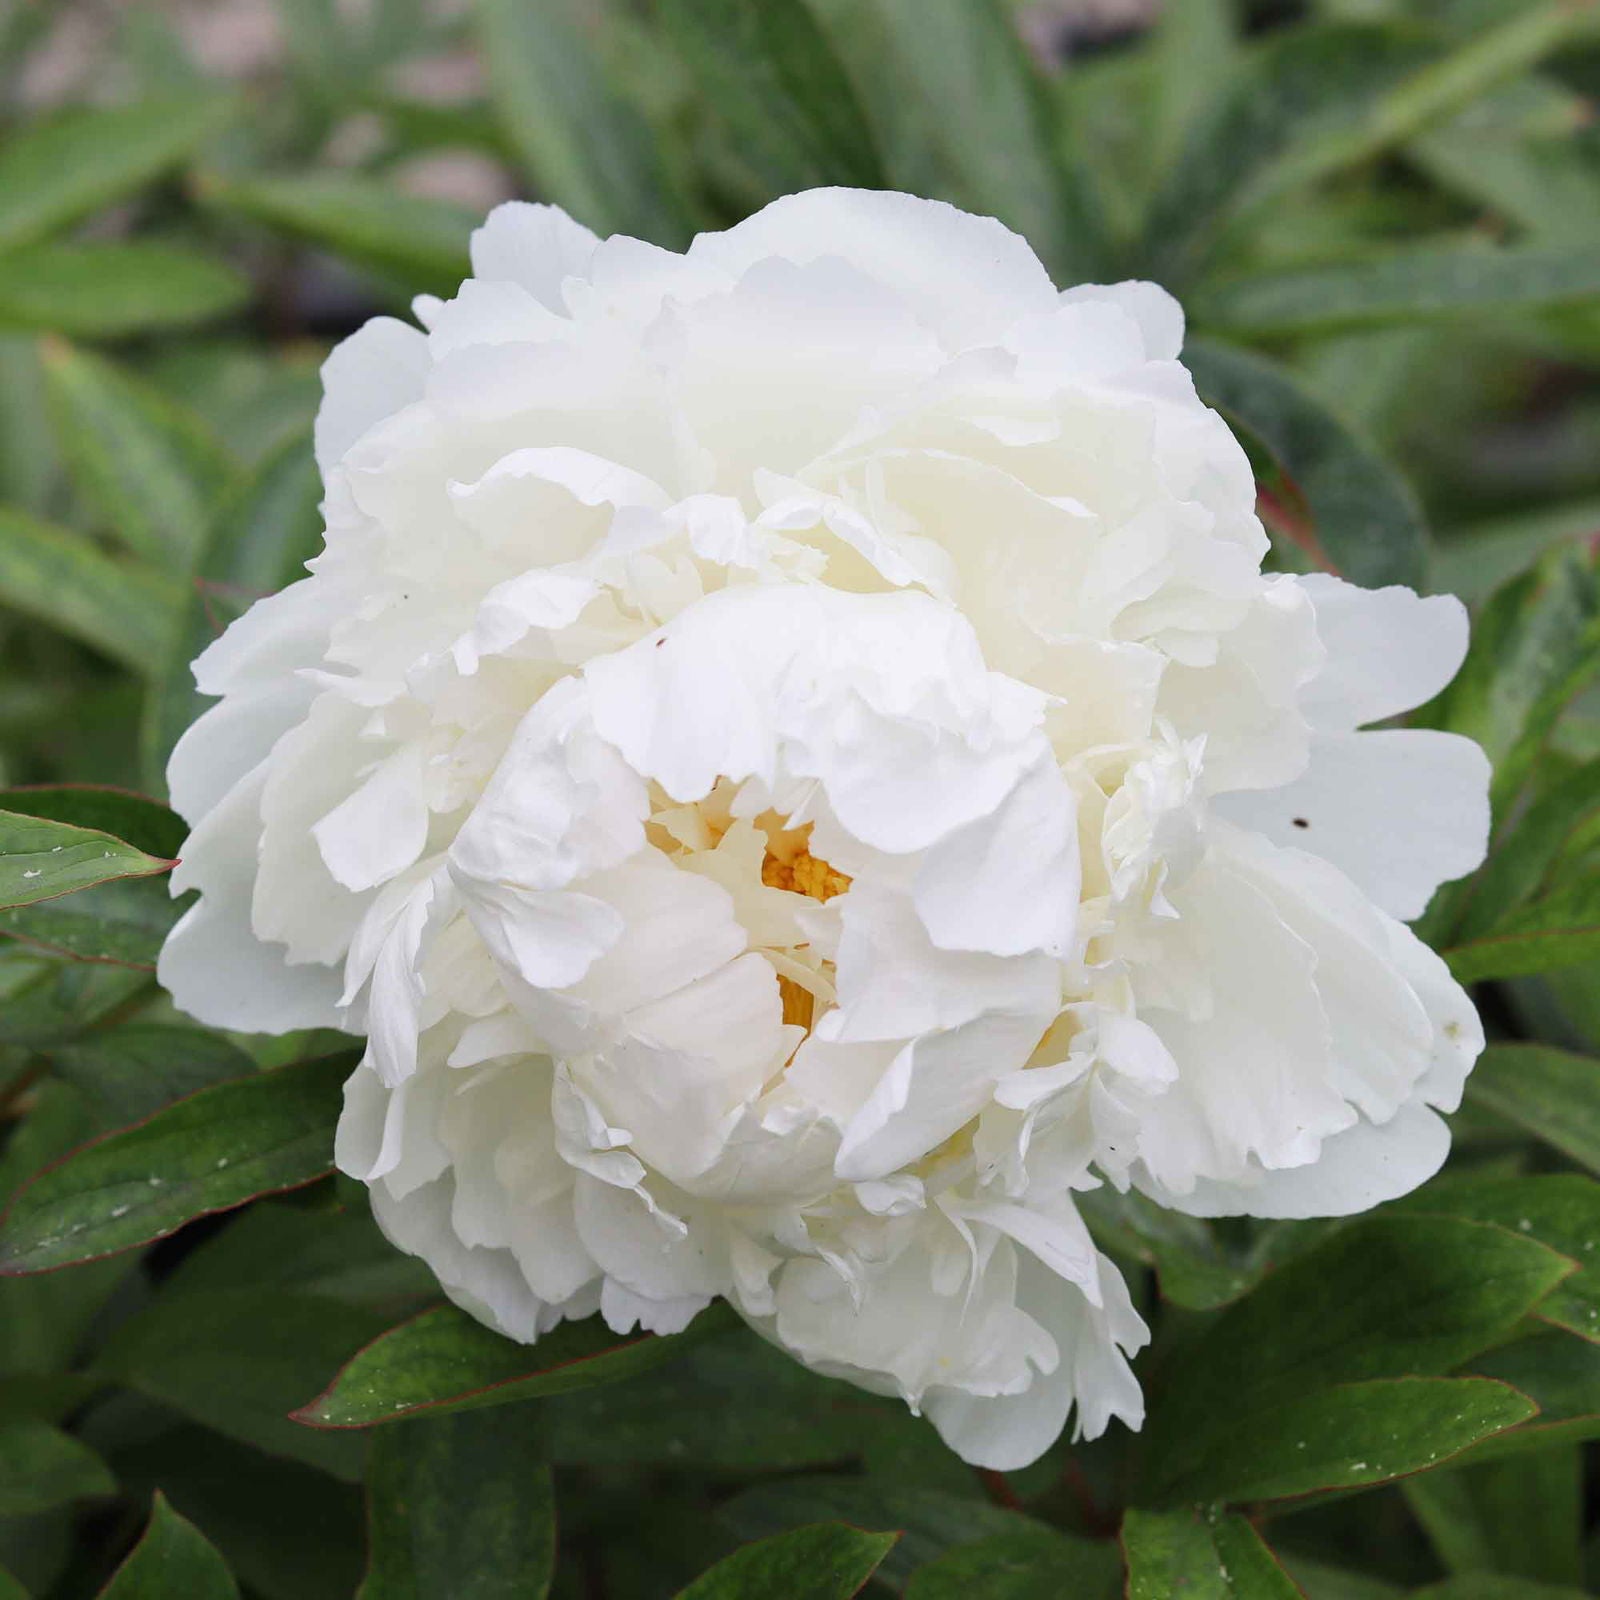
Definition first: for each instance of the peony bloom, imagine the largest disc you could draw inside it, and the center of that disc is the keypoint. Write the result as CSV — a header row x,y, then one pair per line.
x,y
791,758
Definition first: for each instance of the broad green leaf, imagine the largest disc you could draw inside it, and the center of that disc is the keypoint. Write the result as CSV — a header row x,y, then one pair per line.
x,y
210,1152
581,143
1480,556
1559,929
1552,1093
462,1506
124,922
1520,1517
1561,1210
130,1072
1192,1267
1561,1375
1523,862
1404,287
264,533
56,171
930,1522
149,466
47,1002
827,1561
421,242
222,1486
10,1589
1364,515
1201,1555
239,1360
58,577
986,123
97,291
734,1403
1346,1436
41,859
143,822
173,1558
444,1360
41,1467
1534,645
772,75
1382,1298
1038,1564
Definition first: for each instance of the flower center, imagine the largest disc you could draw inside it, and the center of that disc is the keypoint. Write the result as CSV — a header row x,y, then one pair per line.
x,y
802,873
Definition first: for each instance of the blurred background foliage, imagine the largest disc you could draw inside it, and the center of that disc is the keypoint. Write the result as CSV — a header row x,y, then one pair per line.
x,y
1384,219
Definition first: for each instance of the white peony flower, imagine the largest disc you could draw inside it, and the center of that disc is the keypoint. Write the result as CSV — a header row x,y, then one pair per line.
x,y
790,757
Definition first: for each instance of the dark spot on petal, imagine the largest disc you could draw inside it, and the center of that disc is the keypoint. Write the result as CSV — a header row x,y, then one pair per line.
x,y
659,643
1300,822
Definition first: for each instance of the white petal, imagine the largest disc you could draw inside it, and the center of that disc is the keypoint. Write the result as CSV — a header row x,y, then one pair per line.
x,y
380,368
537,246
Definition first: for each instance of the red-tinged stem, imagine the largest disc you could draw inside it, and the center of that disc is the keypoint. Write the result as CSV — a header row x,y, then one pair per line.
x,y
998,1488
1296,529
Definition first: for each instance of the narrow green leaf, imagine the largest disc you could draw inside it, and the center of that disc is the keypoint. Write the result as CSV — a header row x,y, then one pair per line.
x,y
1347,1436
1551,1093
772,75
1195,50
825,1562
422,242
1495,1586
57,577
1476,559
930,1521
105,290
173,1558
130,1072
581,143
41,859
987,128
149,466
238,1360
41,1467
1038,1564
60,169
1383,1298
1365,515
1405,287
1559,929
210,1152
461,1506
444,1360
1201,1555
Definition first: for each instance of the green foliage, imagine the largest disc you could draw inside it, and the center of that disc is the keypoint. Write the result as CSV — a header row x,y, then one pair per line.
x,y
1384,221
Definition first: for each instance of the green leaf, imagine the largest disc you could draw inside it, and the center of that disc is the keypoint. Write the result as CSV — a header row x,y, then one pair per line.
x,y
1561,1210
149,466
41,859
420,241
1201,1555
1534,646
131,1072
985,123
1347,1436
57,577
1382,1298
1561,1375
581,143
210,1152
826,1562
1522,1516
1318,101
930,1521
238,1360
1559,929
10,1589
1195,50
106,290
772,75
1365,516
146,823
1038,1564
58,170
444,1360
461,1506
41,1467
1405,287
1494,1586
1551,1093
1191,1265
173,1558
